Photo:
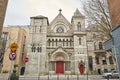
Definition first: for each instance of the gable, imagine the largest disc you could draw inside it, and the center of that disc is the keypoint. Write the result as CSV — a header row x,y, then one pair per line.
x,y
60,21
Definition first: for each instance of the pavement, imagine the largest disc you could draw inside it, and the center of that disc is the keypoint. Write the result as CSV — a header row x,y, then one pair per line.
x,y
60,77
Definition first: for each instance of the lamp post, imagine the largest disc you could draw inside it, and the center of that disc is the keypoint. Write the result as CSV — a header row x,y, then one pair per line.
x,y
87,59
39,67
48,64
48,69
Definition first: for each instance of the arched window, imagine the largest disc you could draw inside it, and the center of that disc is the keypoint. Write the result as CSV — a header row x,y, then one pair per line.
x,y
100,45
49,42
60,30
56,42
40,29
67,42
34,49
110,60
52,42
97,60
79,41
38,50
79,26
63,42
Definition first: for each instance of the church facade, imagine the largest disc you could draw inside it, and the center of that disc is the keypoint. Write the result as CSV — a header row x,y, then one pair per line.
x,y
58,47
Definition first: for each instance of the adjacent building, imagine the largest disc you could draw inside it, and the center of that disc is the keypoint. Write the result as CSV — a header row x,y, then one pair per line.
x,y
99,60
113,44
114,10
3,6
18,35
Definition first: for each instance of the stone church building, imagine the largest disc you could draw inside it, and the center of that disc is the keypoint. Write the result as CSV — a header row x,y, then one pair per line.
x,y
58,47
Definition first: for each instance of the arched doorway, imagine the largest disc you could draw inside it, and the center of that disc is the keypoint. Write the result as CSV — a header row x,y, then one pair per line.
x,y
59,67
59,57
22,71
81,69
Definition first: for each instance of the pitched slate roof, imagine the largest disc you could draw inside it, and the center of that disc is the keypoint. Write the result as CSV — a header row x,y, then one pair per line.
x,y
77,13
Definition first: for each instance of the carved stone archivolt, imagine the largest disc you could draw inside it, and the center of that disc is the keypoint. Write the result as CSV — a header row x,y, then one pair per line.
x,y
60,56
81,63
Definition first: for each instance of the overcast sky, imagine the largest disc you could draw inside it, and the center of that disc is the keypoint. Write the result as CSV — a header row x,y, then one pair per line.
x,y
20,11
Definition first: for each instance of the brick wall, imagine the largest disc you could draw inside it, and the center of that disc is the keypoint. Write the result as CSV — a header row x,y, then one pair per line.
x,y
114,8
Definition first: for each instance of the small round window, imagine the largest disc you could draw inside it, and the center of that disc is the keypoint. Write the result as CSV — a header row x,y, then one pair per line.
x,y
60,30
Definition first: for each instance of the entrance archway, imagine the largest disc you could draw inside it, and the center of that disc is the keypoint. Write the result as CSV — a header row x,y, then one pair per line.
x,y
59,67
81,69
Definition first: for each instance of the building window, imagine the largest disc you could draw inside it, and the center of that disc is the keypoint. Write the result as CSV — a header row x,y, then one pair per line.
x,y
94,35
110,60
79,41
52,42
40,29
33,49
112,69
38,49
90,63
63,42
56,42
60,30
99,71
104,60
4,35
100,45
79,26
97,60
67,42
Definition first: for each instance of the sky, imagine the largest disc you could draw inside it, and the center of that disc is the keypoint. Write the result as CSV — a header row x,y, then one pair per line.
x,y
19,11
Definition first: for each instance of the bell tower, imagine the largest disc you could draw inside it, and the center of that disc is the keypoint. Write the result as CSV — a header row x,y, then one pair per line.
x,y
37,45
79,36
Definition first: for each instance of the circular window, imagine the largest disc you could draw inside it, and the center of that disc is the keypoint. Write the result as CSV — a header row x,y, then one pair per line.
x,y
60,30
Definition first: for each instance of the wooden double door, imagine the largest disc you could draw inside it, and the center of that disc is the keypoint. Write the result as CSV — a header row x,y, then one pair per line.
x,y
60,67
